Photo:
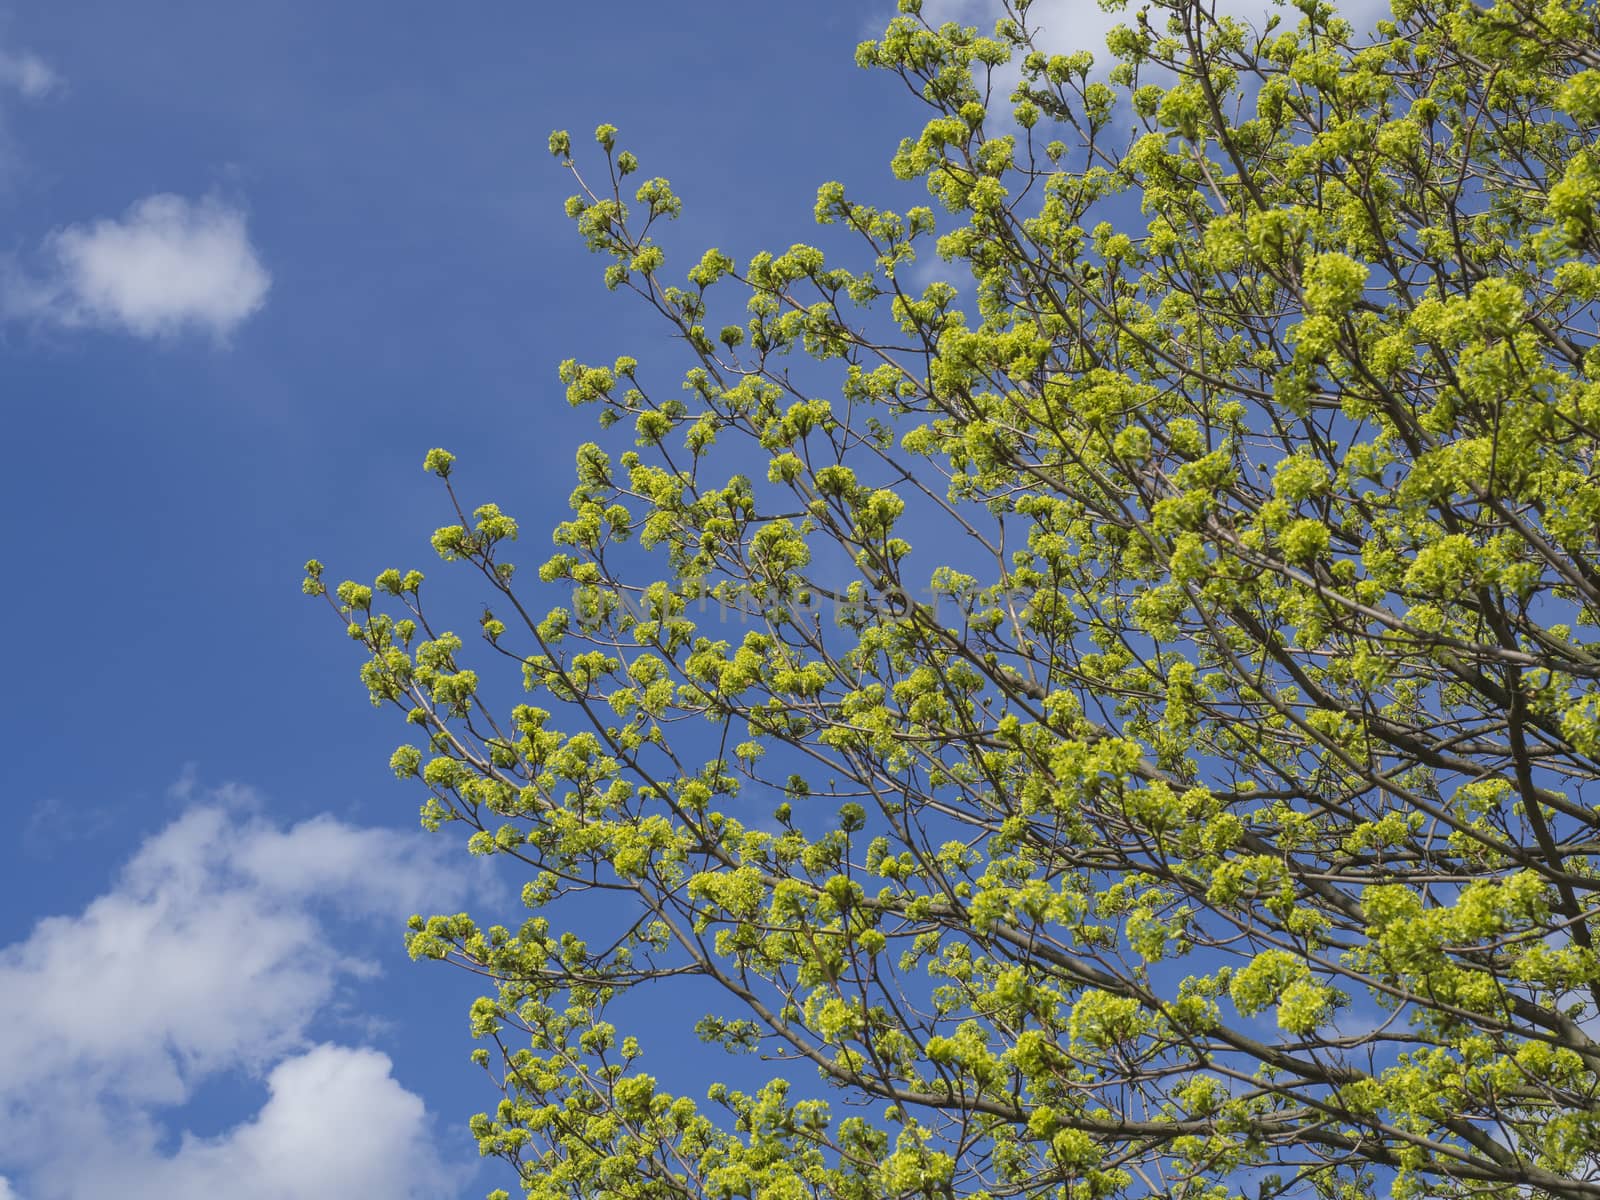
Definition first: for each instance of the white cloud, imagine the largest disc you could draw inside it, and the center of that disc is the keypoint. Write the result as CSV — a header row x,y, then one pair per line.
x,y
213,953
1070,25
168,265
5,1189
32,77
336,1124
330,858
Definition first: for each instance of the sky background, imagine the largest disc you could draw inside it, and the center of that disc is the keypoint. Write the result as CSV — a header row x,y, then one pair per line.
x,y
257,259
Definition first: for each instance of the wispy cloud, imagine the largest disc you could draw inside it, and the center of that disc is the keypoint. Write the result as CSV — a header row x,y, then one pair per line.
x,y
31,76
213,953
166,266
55,825
24,74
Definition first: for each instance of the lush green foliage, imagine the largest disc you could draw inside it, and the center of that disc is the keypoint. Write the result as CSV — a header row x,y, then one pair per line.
x,y
1198,808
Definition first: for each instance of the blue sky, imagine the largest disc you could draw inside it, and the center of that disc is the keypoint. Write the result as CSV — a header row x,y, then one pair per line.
x,y
258,258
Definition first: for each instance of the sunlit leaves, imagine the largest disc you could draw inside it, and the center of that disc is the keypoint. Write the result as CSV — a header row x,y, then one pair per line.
x,y
1122,715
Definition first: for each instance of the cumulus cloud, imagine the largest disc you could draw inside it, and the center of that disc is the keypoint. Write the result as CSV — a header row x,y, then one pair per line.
x,y
336,1124
326,856
214,952
167,265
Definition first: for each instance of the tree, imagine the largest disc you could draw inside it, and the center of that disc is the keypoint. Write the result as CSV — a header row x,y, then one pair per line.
x,y
1199,808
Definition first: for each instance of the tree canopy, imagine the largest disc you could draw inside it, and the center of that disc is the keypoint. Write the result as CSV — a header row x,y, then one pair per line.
x,y
1119,726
